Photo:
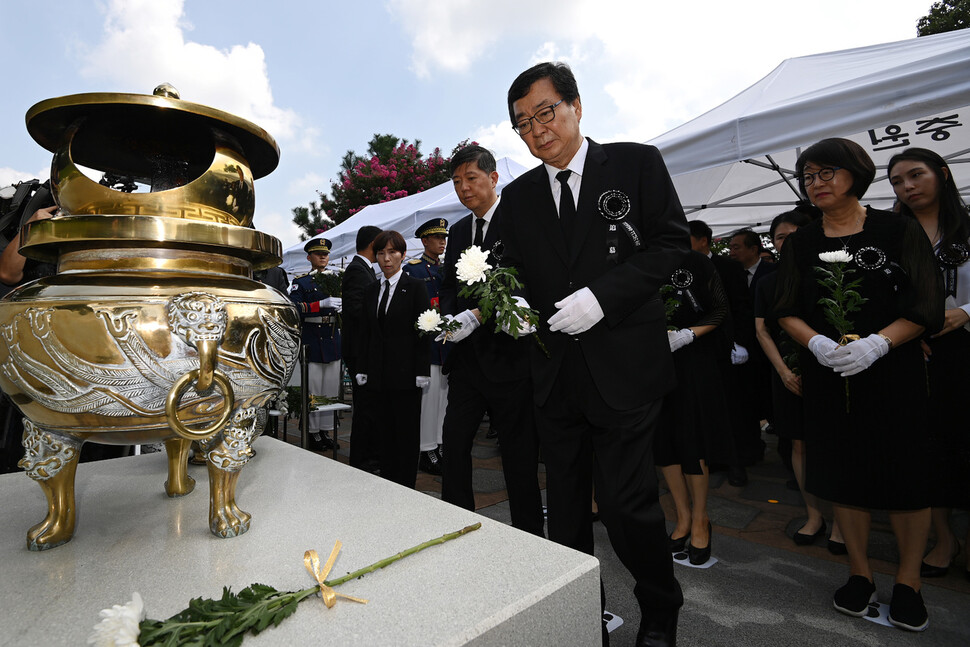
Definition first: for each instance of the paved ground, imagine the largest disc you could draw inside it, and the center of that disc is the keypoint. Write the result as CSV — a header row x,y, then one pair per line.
x,y
763,590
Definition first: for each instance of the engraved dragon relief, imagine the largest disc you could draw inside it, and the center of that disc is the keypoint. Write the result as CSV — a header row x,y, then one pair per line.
x,y
140,384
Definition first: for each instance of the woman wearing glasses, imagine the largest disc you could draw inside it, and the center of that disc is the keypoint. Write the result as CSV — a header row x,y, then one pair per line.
x,y
926,191
863,375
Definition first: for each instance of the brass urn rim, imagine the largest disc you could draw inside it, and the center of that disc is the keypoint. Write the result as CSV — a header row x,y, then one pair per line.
x,y
48,122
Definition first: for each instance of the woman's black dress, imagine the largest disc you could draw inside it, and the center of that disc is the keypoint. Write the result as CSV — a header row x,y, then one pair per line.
x,y
949,373
694,424
866,435
787,409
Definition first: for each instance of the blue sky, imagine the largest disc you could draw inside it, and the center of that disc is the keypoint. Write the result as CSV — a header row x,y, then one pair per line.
x,y
322,77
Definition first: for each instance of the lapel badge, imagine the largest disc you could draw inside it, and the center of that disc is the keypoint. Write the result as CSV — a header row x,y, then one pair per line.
x,y
614,205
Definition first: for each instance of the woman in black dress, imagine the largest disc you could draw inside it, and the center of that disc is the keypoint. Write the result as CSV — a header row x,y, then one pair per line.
x,y
692,431
926,191
865,400
786,384
395,361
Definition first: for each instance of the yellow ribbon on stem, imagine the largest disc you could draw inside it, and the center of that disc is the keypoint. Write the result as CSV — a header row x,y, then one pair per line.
x,y
311,560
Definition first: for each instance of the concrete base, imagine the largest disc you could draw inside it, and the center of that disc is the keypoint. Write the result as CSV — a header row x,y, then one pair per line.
x,y
495,586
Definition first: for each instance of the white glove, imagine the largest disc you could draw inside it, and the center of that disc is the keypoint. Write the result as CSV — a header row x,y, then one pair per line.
x,y
469,322
524,327
578,312
739,354
680,338
332,302
857,356
422,381
821,346
361,379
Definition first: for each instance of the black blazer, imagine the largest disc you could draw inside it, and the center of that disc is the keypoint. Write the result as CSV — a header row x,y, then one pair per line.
x,y
358,275
735,285
500,357
394,355
627,351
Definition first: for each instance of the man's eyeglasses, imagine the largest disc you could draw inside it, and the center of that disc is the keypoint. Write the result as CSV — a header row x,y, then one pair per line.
x,y
824,174
544,116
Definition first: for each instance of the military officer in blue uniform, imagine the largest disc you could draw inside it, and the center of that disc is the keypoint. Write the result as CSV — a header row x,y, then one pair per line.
x,y
428,268
321,336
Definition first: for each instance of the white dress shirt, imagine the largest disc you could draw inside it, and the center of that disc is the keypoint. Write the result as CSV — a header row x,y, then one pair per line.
x,y
577,164
390,295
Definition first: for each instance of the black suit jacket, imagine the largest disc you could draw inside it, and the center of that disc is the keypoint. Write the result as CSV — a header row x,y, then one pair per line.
x,y
735,285
500,357
358,275
627,351
393,355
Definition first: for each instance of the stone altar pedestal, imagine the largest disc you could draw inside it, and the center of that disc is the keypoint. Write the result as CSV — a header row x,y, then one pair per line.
x,y
494,586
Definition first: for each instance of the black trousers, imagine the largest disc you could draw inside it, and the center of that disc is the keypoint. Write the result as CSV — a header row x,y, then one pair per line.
x,y
364,447
583,442
510,408
398,433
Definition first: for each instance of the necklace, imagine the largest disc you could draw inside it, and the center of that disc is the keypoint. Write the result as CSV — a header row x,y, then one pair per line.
x,y
845,239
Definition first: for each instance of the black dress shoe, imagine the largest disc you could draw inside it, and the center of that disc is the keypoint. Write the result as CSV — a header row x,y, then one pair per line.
x,y
698,556
928,570
658,632
738,476
324,444
430,462
801,539
837,547
677,545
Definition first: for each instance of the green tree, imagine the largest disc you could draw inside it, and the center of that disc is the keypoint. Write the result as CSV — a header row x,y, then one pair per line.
x,y
392,169
945,15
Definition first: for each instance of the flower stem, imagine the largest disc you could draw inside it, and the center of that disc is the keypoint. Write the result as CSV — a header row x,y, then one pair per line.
x,y
410,551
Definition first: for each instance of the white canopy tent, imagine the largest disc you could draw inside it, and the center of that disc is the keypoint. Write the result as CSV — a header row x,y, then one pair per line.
x,y
404,215
733,165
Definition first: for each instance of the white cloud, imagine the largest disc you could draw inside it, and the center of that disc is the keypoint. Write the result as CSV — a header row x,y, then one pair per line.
x,y
279,225
144,43
660,63
308,183
503,142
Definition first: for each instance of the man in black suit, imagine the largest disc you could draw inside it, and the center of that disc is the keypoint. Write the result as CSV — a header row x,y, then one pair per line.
x,y
755,374
486,370
358,275
594,232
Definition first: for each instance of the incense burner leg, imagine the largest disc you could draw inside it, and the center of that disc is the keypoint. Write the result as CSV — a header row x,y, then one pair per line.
x,y
179,482
51,460
227,453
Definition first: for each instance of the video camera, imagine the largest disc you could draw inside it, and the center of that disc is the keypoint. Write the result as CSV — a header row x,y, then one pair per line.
x,y
18,202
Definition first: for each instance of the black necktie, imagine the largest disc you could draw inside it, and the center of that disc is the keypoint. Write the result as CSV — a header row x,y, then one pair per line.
x,y
382,308
567,206
479,232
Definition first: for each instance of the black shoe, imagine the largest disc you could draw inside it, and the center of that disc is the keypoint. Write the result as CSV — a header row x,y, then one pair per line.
x,y
323,444
801,539
854,598
737,476
928,570
907,610
677,545
837,547
698,556
430,462
658,633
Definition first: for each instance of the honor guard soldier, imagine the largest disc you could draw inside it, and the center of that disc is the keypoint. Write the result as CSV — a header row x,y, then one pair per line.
x,y
428,268
321,336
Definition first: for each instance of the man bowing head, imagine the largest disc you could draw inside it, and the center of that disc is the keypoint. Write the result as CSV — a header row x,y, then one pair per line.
x,y
594,232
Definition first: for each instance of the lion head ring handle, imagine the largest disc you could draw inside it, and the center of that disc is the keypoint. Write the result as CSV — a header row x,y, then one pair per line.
x,y
178,389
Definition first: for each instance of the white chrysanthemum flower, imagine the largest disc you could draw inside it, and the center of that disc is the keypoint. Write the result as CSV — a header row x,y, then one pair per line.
x,y
119,624
838,256
472,265
429,320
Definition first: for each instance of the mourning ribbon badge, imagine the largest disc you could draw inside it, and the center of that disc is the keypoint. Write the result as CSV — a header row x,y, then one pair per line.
x,y
614,206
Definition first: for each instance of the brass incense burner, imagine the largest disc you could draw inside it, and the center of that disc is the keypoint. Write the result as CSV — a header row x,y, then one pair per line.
x,y
153,328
